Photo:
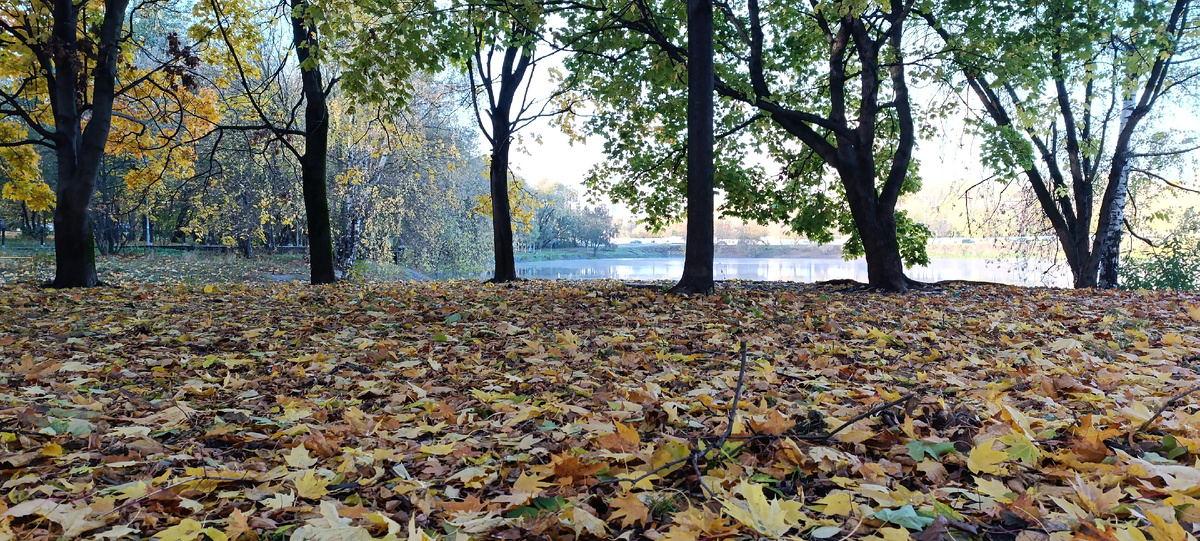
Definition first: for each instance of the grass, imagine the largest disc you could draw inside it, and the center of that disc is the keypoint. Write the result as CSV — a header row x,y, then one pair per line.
x,y
172,267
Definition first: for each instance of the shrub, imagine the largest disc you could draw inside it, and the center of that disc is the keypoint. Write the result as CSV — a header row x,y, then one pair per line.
x,y
1173,265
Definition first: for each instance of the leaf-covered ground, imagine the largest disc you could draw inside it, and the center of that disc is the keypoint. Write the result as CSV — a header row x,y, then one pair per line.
x,y
582,410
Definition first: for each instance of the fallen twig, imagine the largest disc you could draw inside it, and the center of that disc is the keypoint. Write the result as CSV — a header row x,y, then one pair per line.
x,y
1164,407
859,417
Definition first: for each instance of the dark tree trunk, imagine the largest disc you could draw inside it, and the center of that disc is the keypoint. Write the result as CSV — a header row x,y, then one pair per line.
x,y
79,150
502,236
512,73
177,234
698,253
316,146
885,267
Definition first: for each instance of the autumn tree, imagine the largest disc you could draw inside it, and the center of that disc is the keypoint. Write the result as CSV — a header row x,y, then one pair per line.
x,y
305,136
820,88
1063,91
416,168
500,57
80,80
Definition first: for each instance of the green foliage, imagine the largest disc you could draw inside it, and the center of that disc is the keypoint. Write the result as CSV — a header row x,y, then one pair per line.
x,y
1174,265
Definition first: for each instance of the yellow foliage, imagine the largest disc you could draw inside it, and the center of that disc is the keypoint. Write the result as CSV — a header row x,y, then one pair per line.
x,y
154,129
22,167
771,518
522,205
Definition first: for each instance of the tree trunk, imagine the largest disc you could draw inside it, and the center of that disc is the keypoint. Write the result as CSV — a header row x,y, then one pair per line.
x,y
698,253
1110,257
177,234
78,149
885,267
876,224
502,236
316,146
74,245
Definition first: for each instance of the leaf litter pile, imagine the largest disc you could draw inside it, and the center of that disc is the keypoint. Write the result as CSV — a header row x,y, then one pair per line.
x,y
585,410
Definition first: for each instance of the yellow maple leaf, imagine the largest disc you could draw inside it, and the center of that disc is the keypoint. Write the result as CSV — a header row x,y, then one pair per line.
x,y
630,509
628,433
238,524
1193,312
187,530
1161,530
1094,498
993,489
837,503
580,520
984,459
772,518
299,458
531,484
415,533
442,449
310,486
893,534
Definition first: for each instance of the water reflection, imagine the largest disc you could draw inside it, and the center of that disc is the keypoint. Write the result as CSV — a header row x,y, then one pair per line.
x,y
1027,272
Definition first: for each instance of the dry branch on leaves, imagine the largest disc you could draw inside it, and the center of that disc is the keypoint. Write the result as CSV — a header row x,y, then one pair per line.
x,y
584,410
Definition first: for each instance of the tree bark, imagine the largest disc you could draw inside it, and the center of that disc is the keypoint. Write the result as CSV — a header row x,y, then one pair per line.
x,y
1110,257
316,147
698,253
79,150
502,235
876,224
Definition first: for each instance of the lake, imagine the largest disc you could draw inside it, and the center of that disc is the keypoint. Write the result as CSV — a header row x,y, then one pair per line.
x,y
1027,272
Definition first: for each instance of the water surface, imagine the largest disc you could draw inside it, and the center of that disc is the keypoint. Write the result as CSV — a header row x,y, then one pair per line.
x,y
1028,272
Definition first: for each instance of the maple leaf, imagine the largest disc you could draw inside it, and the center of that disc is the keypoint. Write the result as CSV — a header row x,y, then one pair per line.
x,y
298,458
186,530
329,526
624,440
838,503
630,509
569,470
73,520
774,423
772,518
415,533
1161,530
311,486
1094,499
580,520
525,488
238,525
1022,448
983,459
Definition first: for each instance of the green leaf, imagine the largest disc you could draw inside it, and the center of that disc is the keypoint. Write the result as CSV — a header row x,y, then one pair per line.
x,y
452,318
919,449
905,516
1022,448
946,511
